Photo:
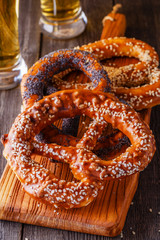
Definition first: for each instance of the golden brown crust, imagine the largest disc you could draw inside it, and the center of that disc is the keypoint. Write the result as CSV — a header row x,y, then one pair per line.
x,y
39,82
132,74
145,96
86,166
138,84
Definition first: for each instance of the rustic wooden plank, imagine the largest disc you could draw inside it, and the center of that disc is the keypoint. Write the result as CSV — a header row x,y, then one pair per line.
x,y
143,21
105,216
141,18
10,230
36,232
9,109
29,31
10,101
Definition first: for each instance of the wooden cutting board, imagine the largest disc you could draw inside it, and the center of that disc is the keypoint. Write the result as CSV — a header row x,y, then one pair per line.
x,y
104,216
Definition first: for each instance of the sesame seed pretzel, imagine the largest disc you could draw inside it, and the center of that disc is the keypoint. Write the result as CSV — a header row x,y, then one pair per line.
x,y
138,84
132,74
38,80
43,185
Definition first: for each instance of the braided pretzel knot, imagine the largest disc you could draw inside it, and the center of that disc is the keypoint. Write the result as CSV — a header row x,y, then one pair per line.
x,y
112,143
107,147
127,80
86,166
38,80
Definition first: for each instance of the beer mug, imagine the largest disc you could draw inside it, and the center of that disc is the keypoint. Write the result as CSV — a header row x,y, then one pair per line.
x,y
62,19
12,66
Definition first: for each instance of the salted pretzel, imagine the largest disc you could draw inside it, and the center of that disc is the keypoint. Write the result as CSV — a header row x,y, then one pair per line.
x,y
43,185
119,47
138,84
38,80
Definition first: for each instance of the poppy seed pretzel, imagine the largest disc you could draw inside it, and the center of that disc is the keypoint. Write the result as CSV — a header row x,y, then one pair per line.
x,y
43,185
38,83
39,80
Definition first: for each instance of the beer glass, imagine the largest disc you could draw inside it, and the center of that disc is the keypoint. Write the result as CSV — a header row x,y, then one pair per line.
x,y
12,66
62,19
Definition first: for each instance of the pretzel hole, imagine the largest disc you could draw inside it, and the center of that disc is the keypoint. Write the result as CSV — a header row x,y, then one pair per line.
x,y
72,80
60,170
111,144
111,66
76,79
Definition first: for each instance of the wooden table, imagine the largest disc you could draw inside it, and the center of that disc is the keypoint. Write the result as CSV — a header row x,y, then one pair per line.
x,y
143,18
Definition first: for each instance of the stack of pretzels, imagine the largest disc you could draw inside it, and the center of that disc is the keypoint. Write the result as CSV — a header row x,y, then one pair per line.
x,y
110,97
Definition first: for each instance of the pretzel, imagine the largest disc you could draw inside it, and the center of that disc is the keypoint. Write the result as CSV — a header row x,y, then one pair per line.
x,y
138,84
38,80
130,75
39,182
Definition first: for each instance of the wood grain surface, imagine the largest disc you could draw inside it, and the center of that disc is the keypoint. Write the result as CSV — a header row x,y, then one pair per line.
x,y
143,22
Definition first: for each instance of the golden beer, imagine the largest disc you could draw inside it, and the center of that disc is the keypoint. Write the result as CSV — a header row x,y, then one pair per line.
x,y
9,44
60,10
62,19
